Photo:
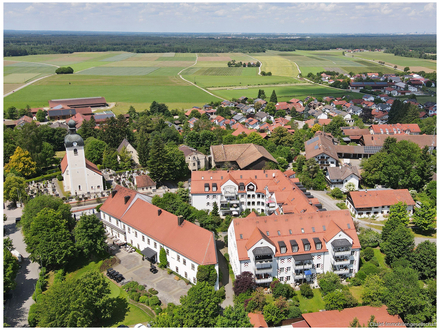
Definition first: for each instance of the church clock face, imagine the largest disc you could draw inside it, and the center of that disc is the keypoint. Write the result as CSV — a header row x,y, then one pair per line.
x,y
74,144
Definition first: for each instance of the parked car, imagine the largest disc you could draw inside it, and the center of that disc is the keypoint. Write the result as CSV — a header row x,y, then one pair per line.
x,y
17,255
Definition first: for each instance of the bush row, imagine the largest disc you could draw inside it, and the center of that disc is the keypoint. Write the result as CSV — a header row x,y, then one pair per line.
x,y
44,177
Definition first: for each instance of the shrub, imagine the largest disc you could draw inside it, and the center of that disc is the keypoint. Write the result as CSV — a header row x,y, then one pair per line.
x,y
368,253
154,301
306,291
158,310
243,283
130,285
143,300
64,70
60,177
337,193
141,287
134,295
33,316
153,291
283,290
368,268
169,271
374,261
222,293
226,255
293,312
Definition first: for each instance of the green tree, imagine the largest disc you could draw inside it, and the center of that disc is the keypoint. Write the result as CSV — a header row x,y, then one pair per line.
x,y
90,236
176,167
399,244
272,314
233,317
373,293
398,215
424,260
270,108
49,241
425,218
10,266
406,69
207,273
41,116
83,302
200,307
158,162
35,205
281,136
163,261
14,189
21,161
125,161
283,290
273,97
214,211
335,300
94,150
337,193
110,159
11,113
329,282
306,291
143,148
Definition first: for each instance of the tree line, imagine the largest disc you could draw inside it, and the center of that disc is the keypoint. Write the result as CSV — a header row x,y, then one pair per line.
x,y
17,43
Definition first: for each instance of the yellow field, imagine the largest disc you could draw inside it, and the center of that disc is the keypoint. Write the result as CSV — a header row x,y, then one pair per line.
x,y
19,78
278,65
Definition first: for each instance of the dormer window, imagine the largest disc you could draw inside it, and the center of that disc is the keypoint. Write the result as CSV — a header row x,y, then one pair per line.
x,y
75,152
214,187
251,187
206,186
241,186
318,243
306,244
294,245
282,246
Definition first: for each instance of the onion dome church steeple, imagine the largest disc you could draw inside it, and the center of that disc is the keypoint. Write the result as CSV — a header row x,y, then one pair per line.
x,y
73,139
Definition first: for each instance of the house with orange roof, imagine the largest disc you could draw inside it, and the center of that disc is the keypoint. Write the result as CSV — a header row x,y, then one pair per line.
x,y
395,129
257,320
130,217
365,203
322,147
343,318
188,113
294,248
266,191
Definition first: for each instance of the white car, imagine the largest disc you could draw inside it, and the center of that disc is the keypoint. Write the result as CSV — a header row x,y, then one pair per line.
x,y
140,326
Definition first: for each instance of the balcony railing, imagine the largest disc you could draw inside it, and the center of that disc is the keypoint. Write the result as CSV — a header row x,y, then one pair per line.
x,y
341,271
264,280
337,262
304,266
263,270
264,261
299,276
341,253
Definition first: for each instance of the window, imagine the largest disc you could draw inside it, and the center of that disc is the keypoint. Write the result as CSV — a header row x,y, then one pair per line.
x,y
178,258
148,241
318,246
79,187
318,266
207,203
168,252
313,229
143,238
131,242
135,233
267,233
290,231
279,233
348,225
323,227
129,230
207,196
138,246
287,278
214,187
282,269
241,236
194,280
186,275
184,261
193,267
123,227
302,230
307,247
177,269
288,269
206,186
281,279
352,253
155,245
75,152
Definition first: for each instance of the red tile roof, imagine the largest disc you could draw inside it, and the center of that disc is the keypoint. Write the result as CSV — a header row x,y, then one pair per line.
x,y
253,229
89,165
257,320
342,319
144,181
421,140
395,128
64,163
375,198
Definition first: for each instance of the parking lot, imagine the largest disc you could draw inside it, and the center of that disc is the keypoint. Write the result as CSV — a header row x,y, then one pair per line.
x,y
133,268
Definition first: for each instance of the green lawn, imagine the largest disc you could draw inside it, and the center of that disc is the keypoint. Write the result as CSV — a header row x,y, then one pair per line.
x,y
356,291
380,257
314,304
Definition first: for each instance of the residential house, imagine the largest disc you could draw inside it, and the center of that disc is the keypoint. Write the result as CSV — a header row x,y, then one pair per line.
x,y
320,122
252,123
318,114
239,129
378,140
188,113
130,149
131,218
365,203
343,318
322,148
240,156
354,110
266,191
192,121
383,107
340,177
294,248
239,118
353,133
394,129
93,102
195,159
263,116
145,184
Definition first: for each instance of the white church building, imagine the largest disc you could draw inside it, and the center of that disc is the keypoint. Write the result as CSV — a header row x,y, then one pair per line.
x,y
80,176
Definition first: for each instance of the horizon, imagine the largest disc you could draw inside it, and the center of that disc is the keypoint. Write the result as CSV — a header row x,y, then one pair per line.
x,y
230,18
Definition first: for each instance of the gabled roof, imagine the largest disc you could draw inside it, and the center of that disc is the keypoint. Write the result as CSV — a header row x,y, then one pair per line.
x,y
343,318
123,144
143,181
299,226
376,198
89,165
243,154
421,140
321,144
257,320
340,173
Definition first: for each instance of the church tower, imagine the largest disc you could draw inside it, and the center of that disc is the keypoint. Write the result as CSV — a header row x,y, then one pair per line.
x,y
80,176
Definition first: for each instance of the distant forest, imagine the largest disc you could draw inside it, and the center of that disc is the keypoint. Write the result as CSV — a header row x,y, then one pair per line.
x,y
20,43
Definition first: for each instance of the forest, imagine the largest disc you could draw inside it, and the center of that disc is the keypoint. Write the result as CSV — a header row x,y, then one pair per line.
x,y
21,43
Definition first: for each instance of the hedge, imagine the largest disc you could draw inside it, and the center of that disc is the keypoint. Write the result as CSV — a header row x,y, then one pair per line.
x,y
44,177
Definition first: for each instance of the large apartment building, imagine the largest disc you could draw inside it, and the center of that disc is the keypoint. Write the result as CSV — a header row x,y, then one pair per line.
x,y
268,191
294,248
130,217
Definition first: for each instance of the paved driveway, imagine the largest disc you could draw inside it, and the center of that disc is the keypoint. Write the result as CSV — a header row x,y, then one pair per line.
x,y
16,307
134,269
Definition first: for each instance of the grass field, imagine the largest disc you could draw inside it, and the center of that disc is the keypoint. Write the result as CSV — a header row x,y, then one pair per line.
x,y
312,305
278,65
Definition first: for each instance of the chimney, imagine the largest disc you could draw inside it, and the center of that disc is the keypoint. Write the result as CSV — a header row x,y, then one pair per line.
x,y
126,198
180,220
159,212
114,193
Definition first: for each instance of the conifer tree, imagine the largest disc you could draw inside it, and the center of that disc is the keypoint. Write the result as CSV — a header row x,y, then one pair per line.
x,y
273,97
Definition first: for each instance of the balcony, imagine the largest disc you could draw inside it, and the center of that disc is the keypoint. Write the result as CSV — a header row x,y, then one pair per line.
x,y
263,278
299,276
339,262
338,253
263,270
263,261
339,271
303,266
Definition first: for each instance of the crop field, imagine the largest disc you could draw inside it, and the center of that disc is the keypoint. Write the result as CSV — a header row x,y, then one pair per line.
x,y
139,79
415,64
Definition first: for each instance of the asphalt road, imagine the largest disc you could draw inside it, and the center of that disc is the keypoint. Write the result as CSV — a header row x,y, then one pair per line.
x,y
16,307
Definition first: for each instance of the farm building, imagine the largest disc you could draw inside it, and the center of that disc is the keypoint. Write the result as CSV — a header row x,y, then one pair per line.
x,y
93,102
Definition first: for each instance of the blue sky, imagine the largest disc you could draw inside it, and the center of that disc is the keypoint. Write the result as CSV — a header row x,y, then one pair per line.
x,y
229,17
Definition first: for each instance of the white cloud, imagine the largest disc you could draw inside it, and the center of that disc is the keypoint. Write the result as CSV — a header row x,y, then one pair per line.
x,y
430,7
30,9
